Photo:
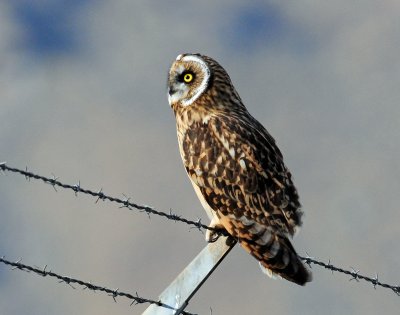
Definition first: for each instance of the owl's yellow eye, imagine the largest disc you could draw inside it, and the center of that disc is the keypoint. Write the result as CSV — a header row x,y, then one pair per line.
x,y
188,77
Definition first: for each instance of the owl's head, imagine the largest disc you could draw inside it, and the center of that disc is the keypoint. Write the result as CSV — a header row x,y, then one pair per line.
x,y
193,75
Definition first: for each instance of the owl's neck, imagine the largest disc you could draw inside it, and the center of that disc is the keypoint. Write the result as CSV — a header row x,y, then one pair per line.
x,y
187,116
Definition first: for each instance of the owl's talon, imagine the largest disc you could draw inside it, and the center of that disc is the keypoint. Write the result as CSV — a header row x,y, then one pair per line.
x,y
213,235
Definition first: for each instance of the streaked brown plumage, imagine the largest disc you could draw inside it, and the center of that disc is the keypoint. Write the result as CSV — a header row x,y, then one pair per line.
x,y
235,166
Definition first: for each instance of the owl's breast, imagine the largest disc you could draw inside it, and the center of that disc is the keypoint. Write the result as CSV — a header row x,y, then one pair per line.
x,y
198,148
196,142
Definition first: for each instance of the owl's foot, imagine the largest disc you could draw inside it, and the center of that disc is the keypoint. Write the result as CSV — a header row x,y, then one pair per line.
x,y
213,235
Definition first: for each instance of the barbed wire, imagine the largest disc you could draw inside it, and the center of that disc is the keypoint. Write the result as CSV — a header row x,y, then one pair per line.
x,y
354,273
100,195
136,299
126,203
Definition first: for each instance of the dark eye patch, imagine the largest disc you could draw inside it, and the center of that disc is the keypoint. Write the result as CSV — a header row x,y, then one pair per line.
x,y
185,74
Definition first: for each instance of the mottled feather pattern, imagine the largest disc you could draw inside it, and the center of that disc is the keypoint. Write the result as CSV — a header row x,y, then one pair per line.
x,y
236,173
240,173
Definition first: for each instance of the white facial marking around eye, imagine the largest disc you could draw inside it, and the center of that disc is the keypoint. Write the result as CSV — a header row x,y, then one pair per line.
x,y
180,69
203,85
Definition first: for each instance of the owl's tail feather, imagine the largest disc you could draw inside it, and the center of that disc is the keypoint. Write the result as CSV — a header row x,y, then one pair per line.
x,y
279,258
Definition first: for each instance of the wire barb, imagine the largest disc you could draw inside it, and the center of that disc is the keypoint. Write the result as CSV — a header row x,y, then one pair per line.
x,y
375,281
354,274
329,266
2,167
126,203
100,195
77,188
114,294
198,227
26,177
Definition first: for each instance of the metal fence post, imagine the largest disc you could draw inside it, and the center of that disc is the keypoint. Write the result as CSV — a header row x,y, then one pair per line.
x,y
186,284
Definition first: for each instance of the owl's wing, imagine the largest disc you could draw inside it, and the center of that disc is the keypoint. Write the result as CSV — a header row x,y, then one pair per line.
x,y
240,171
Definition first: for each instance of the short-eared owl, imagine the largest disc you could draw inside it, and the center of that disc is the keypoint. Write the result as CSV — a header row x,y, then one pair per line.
x,y
235,166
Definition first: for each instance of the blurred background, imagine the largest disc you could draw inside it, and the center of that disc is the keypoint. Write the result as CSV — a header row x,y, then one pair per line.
x,y
83,96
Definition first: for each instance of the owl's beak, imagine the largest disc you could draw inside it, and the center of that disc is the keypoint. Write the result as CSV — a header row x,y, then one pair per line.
x,y
176,92
171,91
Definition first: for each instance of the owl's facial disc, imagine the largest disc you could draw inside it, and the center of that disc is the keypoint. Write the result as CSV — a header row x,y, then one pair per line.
x,y
188,79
